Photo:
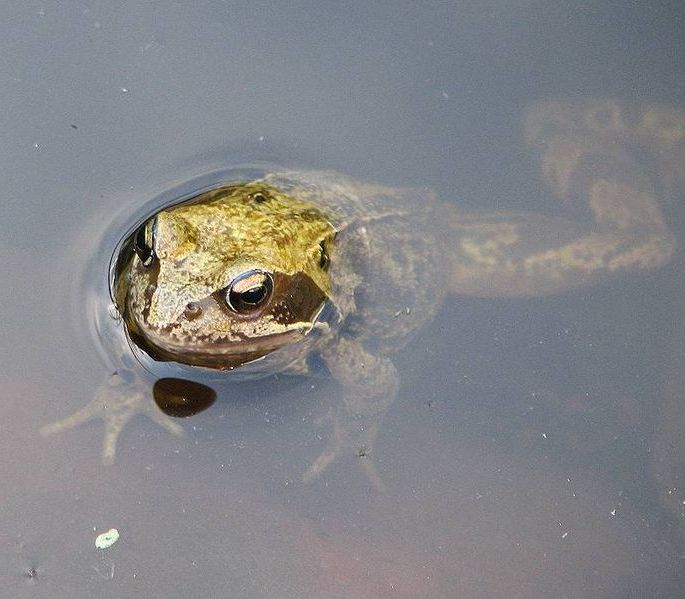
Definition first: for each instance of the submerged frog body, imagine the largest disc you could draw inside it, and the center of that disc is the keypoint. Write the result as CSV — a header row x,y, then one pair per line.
x,y
260,276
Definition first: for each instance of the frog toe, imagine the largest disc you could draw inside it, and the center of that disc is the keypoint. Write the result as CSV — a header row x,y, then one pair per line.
x,y
166,422
330,454
76,419
109,442
321,463
371,472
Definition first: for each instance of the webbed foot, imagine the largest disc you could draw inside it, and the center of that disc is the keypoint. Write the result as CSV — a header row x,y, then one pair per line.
x,y
115,402
351,436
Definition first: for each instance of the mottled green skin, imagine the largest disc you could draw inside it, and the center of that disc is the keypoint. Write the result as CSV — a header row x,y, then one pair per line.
x,y
393,256
200,248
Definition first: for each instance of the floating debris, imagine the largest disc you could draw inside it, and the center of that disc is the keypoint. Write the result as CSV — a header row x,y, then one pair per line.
x,y
107,539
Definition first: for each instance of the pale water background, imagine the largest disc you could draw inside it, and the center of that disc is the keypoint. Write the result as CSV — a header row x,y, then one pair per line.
x,y
517,456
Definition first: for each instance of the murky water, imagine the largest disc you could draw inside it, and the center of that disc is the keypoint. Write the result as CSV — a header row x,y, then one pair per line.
x,y
535,448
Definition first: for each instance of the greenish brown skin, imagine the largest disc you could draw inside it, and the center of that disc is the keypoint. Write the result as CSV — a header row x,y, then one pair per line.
x,y
382,260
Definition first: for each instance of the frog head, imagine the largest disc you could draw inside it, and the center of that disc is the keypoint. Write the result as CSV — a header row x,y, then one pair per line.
x,y
226,278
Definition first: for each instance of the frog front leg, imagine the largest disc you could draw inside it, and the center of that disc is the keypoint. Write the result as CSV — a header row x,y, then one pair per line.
x,y
116,401
370,385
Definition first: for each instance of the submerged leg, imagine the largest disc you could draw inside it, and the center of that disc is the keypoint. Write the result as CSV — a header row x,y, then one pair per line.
x,y
370,385
115,402
592,159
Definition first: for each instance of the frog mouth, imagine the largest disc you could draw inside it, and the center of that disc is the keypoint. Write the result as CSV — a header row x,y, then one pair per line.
x,y
217,354
212,335
234,350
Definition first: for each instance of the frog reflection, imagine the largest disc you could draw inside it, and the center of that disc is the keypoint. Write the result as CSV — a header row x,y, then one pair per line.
x,y
257,277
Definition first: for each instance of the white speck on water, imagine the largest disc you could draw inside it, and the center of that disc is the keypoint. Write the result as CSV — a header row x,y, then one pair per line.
x,y
107,539
124,90
613,512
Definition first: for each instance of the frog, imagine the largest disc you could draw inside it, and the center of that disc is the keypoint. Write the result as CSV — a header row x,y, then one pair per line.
x,y
297,270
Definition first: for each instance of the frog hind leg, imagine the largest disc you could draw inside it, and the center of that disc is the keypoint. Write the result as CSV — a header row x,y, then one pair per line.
x,y
370,385
613,225
115,402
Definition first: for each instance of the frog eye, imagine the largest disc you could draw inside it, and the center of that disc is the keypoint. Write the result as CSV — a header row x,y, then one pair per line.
x,y
248,291
259,197
144,242
324,258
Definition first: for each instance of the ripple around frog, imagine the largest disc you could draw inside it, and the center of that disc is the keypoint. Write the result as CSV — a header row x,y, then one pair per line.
x,y
96,263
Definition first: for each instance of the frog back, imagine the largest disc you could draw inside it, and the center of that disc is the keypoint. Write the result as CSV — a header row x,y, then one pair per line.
x,y
388,268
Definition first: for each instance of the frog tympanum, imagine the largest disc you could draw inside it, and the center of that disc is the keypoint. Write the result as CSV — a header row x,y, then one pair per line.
x,y
260,276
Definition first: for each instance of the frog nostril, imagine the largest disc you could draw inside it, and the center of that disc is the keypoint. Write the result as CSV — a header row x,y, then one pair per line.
x,y
193,310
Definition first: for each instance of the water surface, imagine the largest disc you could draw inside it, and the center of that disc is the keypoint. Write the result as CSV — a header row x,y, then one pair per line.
x,y
518,455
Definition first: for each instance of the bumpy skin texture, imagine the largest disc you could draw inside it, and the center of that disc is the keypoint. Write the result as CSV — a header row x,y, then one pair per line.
x,y
349,270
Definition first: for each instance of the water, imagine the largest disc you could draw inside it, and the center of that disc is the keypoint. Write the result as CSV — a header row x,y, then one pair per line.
x,y
519,455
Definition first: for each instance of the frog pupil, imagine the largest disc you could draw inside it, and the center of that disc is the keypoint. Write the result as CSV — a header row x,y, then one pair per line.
x,y
253,296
